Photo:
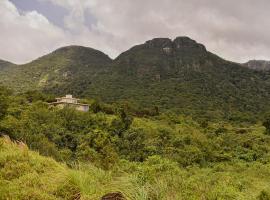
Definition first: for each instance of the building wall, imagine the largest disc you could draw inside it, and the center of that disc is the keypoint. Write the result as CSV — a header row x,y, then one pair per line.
x,y
84,108
65,100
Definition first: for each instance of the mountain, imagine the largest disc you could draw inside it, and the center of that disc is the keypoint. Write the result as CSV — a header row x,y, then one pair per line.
x,y
182,75
179,75
61,67
4,64
260,65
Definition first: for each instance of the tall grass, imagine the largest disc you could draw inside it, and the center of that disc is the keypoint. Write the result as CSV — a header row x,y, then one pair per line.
x,y
25,174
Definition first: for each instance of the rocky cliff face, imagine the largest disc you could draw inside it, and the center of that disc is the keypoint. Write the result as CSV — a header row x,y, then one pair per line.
x,y
177,43
161,57
187,43
259,65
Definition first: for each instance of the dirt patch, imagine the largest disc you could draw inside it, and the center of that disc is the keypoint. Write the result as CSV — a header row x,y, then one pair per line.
x,y
113,196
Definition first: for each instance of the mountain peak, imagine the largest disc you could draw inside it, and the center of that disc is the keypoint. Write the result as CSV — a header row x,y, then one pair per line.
x,y
186,42
259,65
4,64
159,42
181,42
73,53
74,49
4,61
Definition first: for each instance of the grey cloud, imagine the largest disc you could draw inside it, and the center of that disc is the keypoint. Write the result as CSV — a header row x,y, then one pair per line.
x,y
236,30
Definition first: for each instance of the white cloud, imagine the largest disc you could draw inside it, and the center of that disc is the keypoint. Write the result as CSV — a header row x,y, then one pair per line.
x,y
25,36
235,30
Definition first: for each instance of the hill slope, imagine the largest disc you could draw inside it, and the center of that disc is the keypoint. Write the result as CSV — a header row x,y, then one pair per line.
x,y
27,175
180,75
167,156
260,65
59,68
4,64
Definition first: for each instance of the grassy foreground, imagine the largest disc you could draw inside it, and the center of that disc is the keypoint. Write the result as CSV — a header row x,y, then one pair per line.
x,y
25,174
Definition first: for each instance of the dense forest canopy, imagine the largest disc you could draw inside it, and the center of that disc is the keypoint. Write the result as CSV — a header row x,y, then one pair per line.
x,y
142,149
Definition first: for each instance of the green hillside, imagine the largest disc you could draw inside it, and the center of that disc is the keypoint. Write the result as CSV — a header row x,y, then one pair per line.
x,y
178,75
259,65
109,149
4,64
64,66
181,75
27,175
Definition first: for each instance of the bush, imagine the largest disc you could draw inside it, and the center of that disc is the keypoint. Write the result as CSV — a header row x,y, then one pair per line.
x,y
264,195
266,124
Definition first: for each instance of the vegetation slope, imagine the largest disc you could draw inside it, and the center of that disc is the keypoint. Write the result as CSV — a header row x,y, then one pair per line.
x,y
27,175
112,148
259,65
4,64
179,75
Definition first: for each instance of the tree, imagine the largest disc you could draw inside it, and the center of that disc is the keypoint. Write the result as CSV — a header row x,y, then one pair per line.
x,y
127,120
3,106
266,124
96,107
4,93
132,145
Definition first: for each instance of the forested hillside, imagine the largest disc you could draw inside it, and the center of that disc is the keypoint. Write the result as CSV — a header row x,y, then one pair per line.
x,y
66,65
4,64
178,75
142,154
259,65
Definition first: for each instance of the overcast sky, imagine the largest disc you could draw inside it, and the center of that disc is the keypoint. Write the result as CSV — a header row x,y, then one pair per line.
x,y
237,30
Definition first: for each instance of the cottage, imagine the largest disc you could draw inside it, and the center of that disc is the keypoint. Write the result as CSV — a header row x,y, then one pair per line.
x,y
69,101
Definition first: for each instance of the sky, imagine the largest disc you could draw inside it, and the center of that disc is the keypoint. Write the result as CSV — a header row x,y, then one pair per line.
x,y
235,30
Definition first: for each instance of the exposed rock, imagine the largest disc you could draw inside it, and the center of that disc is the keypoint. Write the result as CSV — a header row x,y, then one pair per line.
x,y
167,50
260,65
159,43
186,42
178,43
113,196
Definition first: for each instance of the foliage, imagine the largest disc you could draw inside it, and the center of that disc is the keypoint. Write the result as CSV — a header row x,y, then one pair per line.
x,y
188,80
103,139
25,174
266,124
110,149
